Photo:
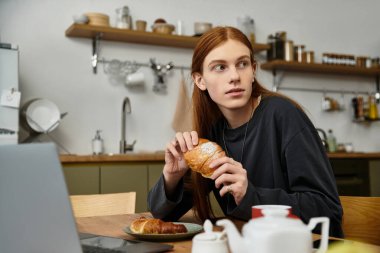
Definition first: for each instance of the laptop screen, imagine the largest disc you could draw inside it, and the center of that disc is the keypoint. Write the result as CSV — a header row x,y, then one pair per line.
x,y
35,210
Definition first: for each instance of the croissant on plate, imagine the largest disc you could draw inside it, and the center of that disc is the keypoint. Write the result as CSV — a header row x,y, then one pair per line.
x,y
202,155
156,226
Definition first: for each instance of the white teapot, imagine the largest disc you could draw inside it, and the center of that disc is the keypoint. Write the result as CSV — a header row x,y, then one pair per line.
x,y
275,233
209,241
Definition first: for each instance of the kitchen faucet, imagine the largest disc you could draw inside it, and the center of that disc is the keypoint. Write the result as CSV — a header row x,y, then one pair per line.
x,y
126,108
324,138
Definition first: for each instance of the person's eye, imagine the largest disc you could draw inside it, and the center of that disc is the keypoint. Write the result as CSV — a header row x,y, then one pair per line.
x,y
243,64
219,67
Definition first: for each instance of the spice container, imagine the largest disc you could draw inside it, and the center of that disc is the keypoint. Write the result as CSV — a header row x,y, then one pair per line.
x,y
375,62
308,57
298,51
361,61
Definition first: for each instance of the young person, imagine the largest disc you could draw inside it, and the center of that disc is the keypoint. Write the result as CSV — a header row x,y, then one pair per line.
x,y
274,153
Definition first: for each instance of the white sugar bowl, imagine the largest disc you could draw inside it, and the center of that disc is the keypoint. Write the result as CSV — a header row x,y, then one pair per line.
x,y
209,241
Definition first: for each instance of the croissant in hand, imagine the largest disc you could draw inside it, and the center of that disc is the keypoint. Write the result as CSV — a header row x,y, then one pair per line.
x,y
156,226
202,155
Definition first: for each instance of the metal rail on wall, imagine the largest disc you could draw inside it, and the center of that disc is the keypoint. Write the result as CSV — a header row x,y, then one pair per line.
x,y
278,78
95,59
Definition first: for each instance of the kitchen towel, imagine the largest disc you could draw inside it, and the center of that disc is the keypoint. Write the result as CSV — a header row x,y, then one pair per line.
x,y
182,121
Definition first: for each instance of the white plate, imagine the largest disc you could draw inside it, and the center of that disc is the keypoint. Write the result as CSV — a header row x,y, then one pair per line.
x,y
192,229
43,115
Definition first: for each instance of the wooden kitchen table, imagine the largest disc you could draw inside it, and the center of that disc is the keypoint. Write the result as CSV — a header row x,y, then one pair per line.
x,y
113,226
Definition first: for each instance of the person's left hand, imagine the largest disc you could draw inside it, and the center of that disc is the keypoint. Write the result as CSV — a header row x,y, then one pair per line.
x,y
232,176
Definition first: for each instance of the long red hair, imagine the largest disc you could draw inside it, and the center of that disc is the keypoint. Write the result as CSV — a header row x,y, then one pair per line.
x,y
205,110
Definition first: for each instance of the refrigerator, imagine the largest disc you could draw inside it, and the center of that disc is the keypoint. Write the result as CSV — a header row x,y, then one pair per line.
x,y
9,94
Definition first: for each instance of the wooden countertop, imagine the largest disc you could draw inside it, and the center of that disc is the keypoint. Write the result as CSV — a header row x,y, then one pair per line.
x,y
358,155
159,156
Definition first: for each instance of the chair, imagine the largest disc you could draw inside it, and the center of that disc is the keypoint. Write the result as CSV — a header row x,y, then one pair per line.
x,y
103,204
361,218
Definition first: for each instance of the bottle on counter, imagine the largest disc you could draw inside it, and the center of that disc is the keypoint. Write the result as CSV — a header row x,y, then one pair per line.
x,y
97,144
331,141
372,108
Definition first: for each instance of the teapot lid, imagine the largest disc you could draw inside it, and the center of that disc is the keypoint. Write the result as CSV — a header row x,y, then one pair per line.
x,y
208,235
277,218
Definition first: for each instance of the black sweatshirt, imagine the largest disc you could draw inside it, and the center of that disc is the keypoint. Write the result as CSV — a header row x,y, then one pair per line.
x,y
286,164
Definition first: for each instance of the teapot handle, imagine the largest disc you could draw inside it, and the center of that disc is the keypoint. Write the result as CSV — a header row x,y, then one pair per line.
x,y
325,231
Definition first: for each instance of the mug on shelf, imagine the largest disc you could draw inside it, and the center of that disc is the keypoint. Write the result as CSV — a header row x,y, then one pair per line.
x,y
135,79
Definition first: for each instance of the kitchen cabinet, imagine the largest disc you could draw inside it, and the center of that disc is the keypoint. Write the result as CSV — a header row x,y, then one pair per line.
x,y
154,173
82,178
103,178
126,178
352,176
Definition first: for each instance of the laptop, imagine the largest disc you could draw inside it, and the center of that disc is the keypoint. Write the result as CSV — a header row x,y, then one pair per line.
x,y
35,210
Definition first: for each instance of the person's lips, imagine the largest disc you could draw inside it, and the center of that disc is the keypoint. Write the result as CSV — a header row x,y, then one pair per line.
x,y
235,91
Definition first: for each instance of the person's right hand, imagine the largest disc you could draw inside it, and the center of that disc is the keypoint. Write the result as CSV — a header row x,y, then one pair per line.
x,y
175,166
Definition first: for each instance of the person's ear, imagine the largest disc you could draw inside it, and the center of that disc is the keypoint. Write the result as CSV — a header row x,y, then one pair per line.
x,y
254,69
199,81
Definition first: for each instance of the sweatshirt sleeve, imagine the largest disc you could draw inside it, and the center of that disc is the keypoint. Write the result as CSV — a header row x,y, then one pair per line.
x,y
167,209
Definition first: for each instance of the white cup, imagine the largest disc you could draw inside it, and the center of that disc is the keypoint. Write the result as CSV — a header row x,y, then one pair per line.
x,y
135,79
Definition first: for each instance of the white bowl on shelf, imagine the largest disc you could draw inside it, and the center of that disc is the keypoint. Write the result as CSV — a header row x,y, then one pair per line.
x,y
80,19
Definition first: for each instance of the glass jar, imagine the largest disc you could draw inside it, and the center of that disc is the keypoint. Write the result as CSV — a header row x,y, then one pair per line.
x,y
247,25
123,19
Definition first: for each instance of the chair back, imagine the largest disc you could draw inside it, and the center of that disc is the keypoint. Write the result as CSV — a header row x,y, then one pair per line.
x,y
361,218
103,204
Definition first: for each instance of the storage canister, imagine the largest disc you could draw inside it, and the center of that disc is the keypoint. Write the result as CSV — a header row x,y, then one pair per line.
x,y
289,51
309,57
280,39
298,50
271,52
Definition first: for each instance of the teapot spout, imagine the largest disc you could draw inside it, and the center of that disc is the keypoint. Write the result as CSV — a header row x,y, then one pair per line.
x,y
235,240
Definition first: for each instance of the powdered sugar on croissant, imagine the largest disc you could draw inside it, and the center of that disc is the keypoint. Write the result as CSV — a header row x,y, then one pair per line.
x,y
202,155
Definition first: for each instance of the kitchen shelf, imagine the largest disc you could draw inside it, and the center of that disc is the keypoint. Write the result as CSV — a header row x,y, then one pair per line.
x,y
320,68
132,36
281,65
366,120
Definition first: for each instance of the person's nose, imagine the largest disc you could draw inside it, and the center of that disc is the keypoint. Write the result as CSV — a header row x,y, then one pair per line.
x,y
234,75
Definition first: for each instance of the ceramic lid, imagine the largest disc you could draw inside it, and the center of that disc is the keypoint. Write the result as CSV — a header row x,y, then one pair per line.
x,y
208,235
276,219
